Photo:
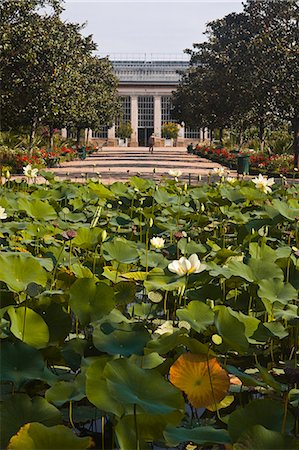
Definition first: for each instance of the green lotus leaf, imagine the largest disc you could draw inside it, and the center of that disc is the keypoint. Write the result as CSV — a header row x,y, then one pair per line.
x,y
200,435
148,389
188,248
153,259
276,329
158,280
28,326
231,329
141,184
66,391
90,300
121,251
34,436
125,292
266,412
149,361
260,438
19,409
285,210
82,271
251,193
101,191
251,323
162,197
150,428
59,322
97,390
275,290
120,338
198,315
87,238
239,269
37,209
20,363
17,270
263,269
165,343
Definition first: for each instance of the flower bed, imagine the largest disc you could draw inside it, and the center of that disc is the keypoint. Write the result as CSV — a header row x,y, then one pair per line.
x,y
149,314
272,165
15,160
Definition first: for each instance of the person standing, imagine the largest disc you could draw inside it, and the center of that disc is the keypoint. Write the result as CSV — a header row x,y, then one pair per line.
x,y
151,142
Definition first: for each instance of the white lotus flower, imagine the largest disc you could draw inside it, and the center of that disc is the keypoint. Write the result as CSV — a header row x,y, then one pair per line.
x,y
3,214
263,183
220,171
185,266
231,180
29,172
175,173
166,327
157,242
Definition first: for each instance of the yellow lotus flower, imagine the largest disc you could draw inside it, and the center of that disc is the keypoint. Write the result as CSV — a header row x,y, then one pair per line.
x,y
203,380
263,183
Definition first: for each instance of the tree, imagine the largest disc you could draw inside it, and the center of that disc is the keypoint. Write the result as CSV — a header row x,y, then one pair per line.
x,y
50,75
96,100
248,70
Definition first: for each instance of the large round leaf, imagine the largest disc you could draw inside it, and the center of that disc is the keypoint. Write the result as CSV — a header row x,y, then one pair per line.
x,y
33,436
147,389
120,250
66,391
20,363
200,435
17,270
198,314
90,300
277,291
97,390
20,409
266,412
120,338
260,438
231,329
37,209
28,326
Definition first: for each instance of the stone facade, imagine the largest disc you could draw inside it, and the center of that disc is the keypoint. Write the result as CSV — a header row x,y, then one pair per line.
x,y
146,88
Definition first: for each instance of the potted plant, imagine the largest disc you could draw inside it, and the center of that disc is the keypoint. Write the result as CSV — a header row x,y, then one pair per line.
x,y
123,132
169,132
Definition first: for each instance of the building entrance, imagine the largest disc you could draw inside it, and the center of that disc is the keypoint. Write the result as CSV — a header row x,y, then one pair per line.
x,y
143,136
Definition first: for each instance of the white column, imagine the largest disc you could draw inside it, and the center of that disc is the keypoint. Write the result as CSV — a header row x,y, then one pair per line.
x,y
111,132
157,116
134,120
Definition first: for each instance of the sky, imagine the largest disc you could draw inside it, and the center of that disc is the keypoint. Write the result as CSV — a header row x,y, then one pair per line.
x,y
164,27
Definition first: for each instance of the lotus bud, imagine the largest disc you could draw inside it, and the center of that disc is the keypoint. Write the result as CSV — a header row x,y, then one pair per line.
x,y
151,222
104,235
185,187
202,207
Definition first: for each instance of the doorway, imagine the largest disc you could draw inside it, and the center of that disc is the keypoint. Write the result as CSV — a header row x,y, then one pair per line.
x,y
143,136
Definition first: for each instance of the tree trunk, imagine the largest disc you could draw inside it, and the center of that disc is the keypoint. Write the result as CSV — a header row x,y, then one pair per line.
x,y
51,137
87,136
221,135
78,137
32,133
295,123
211,136
261,134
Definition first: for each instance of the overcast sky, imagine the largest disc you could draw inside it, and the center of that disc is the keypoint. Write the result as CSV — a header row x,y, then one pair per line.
x,y
165,27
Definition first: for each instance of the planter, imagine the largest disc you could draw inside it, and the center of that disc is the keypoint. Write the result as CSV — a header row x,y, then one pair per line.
x,y
123,142
168,142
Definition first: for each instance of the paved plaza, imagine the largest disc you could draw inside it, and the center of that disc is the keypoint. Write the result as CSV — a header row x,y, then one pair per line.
x,y
120,163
